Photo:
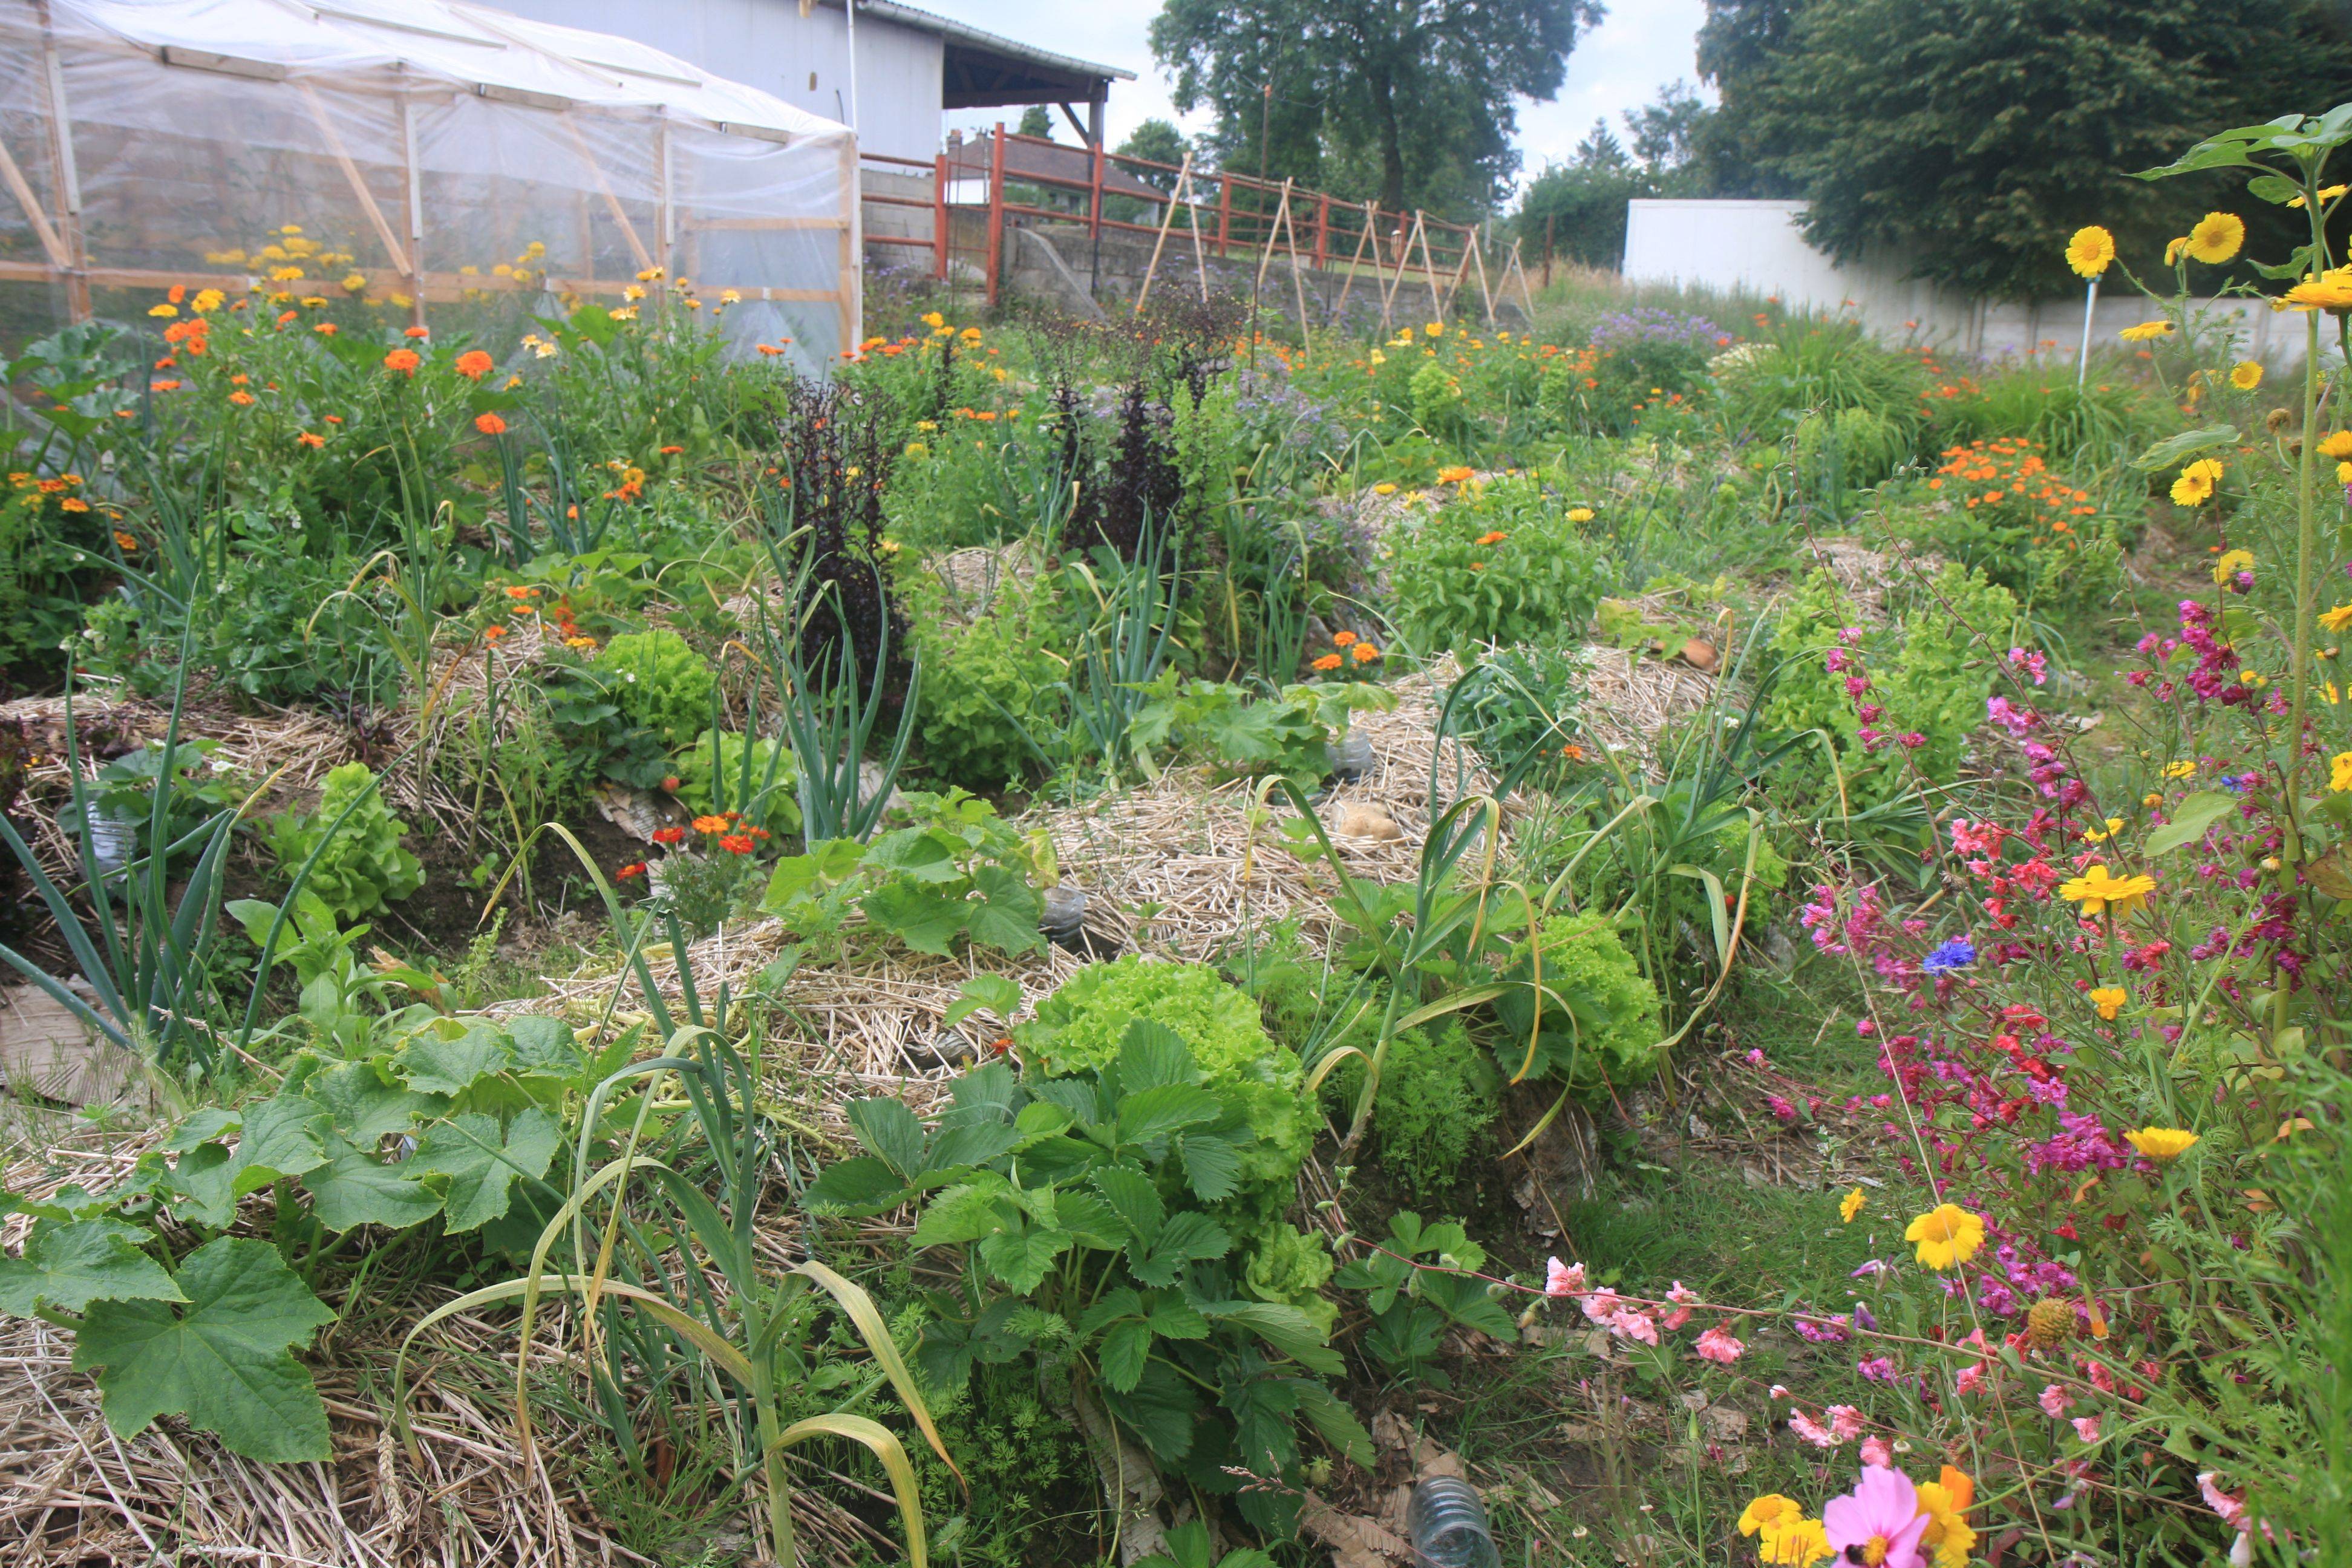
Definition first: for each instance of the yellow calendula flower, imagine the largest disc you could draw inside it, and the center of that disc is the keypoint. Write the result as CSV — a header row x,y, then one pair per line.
x,y
2109,1000
2100,891
2338,619
2100,834
2195,485
2217,237
1943,1502
2090,251
2343,473
2335,444
2339,772
1851,1206
2173,247
2179,770
1769,1508
1945,1236
2246,375
163,309
2162,1145
2146,332
1384,489
353,282
2326,194
1580,514
2330,291
2229,562
1800,1543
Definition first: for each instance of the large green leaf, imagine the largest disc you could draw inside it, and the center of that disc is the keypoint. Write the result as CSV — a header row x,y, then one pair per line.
x,y
1187,1238
1019,1258
1008,911
436,1066
2191,819
356,1188
363,1106
1287,1328
483,1163
1125,1348
225,1362
2178,448
68,1267
861,1185
919,916
1168,1108
890,1130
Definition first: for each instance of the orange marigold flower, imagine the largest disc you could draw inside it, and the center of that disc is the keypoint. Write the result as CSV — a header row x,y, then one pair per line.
x,y
242,399
311,438
402,361
489,425
1455,475
1329,661
635,868
124,543
710,824
1492,536
73,503
415,332
324,329
163,386
1341,639
473,364
671,451
1364,653
492,634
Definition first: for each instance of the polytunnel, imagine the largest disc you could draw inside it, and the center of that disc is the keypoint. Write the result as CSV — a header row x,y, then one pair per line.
x,y
418,155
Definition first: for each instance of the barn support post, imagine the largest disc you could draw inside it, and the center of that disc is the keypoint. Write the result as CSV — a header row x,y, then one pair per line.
x,y
852,285
1224,212
995,211
1095,192
665,209
940,217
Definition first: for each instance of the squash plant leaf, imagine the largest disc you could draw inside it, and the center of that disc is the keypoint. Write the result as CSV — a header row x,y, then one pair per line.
x,y
225,1362
484,1164
68,1267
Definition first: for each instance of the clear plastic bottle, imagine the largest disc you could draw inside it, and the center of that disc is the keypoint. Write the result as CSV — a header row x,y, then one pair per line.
x,y
1447,1524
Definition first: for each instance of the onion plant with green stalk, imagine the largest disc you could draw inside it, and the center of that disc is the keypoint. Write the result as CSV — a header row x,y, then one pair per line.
x,y
752,1344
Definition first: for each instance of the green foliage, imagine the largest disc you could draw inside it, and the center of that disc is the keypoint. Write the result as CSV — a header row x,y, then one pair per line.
x,y
2039,117
1083,1025
1412,1307
1926,676
1523,703
1397,101
1436,401
1578,1010
362,865
1837,454
659,682
979,676
723,771
1437,1094
1805,366
1082,1208
2067,418
1539,584
958,875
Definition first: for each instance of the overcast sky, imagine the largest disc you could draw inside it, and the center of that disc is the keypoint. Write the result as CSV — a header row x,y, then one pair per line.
x,y
1640,47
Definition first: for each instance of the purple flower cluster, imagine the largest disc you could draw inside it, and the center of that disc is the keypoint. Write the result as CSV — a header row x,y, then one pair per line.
x,y
1647,324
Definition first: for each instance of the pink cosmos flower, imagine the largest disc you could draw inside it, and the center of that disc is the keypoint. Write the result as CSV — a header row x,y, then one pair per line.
x,y
2086,1427
1879,1522
1718,1345
2056,1402
1563,1279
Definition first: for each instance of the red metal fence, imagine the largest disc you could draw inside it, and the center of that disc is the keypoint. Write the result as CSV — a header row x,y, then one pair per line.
x,y
1194,217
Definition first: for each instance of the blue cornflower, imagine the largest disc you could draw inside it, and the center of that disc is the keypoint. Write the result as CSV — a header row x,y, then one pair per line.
x,y
1957,953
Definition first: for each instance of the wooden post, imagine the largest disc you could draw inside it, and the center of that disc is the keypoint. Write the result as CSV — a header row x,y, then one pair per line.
x,y
1428,266
940,217
68,176
1322,229
52,245
1479,254
1224,212
852,284
1547,282
604,188
414,176
1167,217
1371,216
1525,303
995,210
664,211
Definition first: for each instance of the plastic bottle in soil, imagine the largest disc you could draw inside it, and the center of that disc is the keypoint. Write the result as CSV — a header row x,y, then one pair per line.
x,y
1447,1524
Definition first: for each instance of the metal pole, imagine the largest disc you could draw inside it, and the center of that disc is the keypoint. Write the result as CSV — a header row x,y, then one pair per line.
x,y
995,210
1095,195
850,7
2090,303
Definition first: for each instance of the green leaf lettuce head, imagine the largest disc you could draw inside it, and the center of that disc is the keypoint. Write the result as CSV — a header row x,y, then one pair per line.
x,y
1082,1025
1599,1017
362,867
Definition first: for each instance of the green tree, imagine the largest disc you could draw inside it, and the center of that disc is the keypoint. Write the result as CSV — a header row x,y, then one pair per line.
x,y
1971,137
1159,142
1036,120
1410,101
1579,205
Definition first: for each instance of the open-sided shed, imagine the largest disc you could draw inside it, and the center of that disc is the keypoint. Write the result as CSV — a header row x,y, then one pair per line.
x,y
413,153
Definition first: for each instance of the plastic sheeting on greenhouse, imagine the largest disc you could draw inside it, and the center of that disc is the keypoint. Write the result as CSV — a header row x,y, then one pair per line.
x,y
408,158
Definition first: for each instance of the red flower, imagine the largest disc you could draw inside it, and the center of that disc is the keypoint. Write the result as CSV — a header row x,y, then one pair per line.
x,y
473,364
738,843
635,868
669,834
414,331
671,451
489,425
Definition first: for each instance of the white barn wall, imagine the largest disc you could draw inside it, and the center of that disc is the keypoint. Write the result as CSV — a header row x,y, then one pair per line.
x,y
1756,248
767,44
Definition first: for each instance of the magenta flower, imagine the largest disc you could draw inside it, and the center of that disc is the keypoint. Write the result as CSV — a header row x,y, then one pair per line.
x,y
1879,1523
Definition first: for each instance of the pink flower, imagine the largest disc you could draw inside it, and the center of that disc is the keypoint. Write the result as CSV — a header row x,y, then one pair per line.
x,y
1879,1522
1636,1325
2054,1402
1681,1297
2086,1427
1562,1278
1875,1451
1778,1391
2232,1509
1971,1378
1812,1431
1846,1422
1718,1345
1603,1305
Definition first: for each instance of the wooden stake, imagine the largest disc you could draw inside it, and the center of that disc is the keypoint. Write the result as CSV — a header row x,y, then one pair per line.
x,y
611,202
1428,266
358,181
1167,218
1371,221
